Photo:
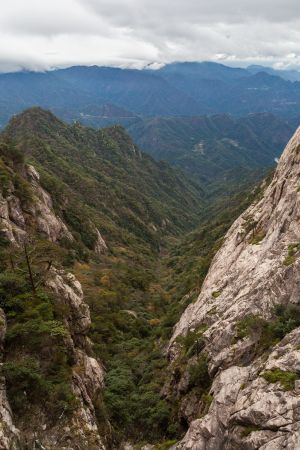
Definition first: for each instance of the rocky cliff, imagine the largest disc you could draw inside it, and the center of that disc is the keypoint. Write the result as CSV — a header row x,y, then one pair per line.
x,y
245,324
20,220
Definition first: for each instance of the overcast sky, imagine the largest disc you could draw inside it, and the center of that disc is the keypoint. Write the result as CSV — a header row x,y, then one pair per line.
x,y
42,34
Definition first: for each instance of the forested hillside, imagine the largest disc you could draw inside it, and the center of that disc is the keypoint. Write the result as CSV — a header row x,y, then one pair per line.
x,y
105,174
137,277
214,148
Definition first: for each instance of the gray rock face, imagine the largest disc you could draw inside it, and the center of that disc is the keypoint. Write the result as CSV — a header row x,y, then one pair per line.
x,y
45,219
68,288
9,435
88,374
100,245
16,220
12,219
256,269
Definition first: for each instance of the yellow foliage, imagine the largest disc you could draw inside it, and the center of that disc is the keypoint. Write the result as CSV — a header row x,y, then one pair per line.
x,y
154,322
105,280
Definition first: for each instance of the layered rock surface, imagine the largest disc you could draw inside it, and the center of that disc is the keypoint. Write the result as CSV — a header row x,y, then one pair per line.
x,y
39,215
257,268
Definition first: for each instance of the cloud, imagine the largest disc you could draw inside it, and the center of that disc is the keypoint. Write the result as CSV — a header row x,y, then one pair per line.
x,y
37,34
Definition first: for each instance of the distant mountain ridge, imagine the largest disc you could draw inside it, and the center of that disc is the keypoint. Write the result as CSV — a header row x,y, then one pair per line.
x,y
174,90
287,74
237,91
189,114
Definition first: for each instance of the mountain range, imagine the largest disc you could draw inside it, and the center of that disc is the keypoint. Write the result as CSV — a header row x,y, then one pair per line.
x,y
104,251
243,130
177,89
149,249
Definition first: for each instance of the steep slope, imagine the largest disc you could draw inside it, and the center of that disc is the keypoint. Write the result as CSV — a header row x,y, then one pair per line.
x,y
121,186
50,380
77,186
210,146
235,351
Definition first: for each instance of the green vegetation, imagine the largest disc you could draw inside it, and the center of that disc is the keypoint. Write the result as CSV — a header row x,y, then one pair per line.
x,y
131,345
285,378
37,362
293,250
11,162
250,226
157,293
207,401
193,342
198,374
289,260
28,384
165,445
98,179
250,326
125,304
189,260
249,429
216,294
268,333
257,237
101,177
211,148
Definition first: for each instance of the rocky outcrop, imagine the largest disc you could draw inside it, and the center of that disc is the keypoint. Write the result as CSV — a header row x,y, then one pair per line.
x,y
37,214
100,246
248,412
256,269
80,430
18,221
88,374
46,221
69,290
12,219
9,435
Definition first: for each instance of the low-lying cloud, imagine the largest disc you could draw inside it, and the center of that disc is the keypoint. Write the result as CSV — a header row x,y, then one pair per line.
x,y
40,35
